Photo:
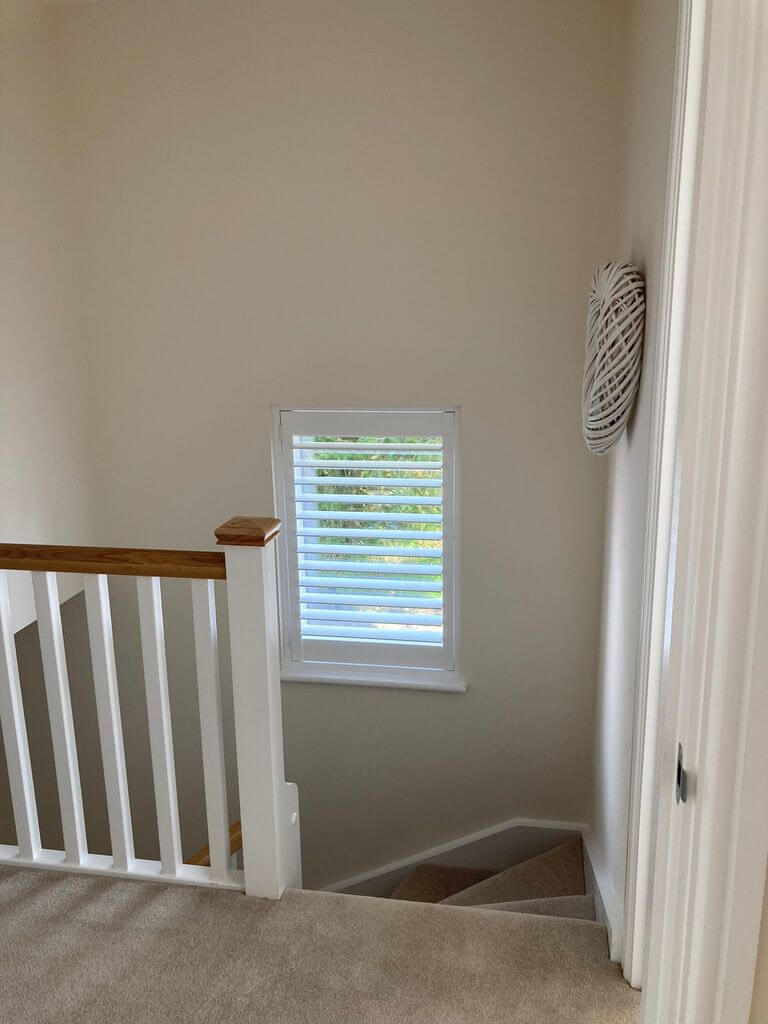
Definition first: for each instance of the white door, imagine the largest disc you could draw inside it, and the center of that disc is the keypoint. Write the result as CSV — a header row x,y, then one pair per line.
x,y
711,848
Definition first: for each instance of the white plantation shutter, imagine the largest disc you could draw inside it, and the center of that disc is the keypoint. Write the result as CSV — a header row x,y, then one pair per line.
x,y
368,548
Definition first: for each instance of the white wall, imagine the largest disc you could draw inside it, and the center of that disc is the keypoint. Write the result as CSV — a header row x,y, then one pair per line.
x,y
385,204
43,492
650,79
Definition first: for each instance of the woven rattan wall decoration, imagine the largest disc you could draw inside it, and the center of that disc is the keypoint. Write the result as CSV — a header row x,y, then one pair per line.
x,y
615,320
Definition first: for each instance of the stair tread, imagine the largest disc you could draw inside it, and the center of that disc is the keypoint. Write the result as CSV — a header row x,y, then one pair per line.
x,y
431,883
580,908
558,872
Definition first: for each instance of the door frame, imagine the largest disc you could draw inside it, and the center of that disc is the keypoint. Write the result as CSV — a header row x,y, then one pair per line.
x,y
703,658
681,175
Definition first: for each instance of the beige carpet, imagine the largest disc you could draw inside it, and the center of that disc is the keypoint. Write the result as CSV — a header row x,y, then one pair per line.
x,y
75,948
558,872
430,883
579,907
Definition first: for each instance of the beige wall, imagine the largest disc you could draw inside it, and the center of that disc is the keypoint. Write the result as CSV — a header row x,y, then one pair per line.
x,y
760,995
385,204
650,76
43,487
42,482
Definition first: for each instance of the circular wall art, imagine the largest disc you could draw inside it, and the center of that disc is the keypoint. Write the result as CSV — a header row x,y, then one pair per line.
x,y
615,320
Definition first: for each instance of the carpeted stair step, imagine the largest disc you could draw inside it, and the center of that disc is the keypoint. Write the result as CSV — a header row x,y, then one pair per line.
x,y
581,908
558,872
431,883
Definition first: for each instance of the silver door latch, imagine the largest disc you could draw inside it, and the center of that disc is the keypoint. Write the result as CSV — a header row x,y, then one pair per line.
x,y
681,793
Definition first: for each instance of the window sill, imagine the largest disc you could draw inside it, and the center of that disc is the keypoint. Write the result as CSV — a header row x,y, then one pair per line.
x,y
399,679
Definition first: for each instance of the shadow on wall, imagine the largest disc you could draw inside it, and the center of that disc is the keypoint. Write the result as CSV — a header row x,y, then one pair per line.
x,y
184,715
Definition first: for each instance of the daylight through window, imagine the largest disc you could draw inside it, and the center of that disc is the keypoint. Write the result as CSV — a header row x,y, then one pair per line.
x,y
367,573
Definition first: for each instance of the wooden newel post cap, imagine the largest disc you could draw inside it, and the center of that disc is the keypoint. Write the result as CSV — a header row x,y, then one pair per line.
x,y
253,531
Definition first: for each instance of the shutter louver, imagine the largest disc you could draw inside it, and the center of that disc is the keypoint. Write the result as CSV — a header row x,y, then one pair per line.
x,y
369,538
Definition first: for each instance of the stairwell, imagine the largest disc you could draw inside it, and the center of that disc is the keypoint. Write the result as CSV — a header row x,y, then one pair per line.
x,y
518,947
91,937
556,874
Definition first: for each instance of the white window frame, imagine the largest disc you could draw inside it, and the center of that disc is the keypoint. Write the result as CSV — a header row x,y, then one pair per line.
x,y
366,663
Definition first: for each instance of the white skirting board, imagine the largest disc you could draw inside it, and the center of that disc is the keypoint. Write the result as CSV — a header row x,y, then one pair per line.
x,y
492,849
609,910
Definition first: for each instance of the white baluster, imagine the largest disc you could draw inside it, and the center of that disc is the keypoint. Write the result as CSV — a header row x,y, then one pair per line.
x,y
15,735
60,713
159,715
211,729
268,805
110,727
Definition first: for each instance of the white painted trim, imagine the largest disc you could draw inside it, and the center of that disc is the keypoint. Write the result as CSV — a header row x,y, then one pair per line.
x,y
211,725
101,864
152,636
709,869
608,907
14,730
269,810
99,617
747,856
661,479
63,741
455,844
438,680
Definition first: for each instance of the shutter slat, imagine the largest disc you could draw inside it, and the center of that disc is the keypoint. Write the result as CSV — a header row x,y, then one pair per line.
x,y
433,483
371,517
433,636
366,465
329,582
382,551
337,531
379,568
399,618
309,601
396,618
354,446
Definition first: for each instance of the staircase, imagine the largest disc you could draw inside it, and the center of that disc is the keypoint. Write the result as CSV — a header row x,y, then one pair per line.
x,y
267,834
505,949
90,938
550,884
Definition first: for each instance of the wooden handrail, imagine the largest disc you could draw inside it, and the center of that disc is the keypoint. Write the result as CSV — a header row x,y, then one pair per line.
x,y
253,531
203,856
196,565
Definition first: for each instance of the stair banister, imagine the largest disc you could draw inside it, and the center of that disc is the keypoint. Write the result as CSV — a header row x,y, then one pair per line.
x,y
269,812
268,804
211,728
15,740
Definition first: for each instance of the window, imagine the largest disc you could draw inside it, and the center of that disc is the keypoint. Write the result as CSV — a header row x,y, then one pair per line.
x,y
367,556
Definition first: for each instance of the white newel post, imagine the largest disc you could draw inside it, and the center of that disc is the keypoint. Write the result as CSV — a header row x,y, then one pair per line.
x,y
269,811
